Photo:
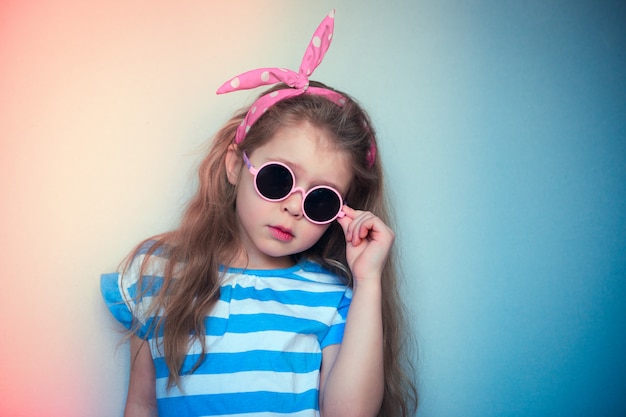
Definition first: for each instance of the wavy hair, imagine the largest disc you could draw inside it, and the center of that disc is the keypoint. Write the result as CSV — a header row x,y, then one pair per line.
x,y
207,238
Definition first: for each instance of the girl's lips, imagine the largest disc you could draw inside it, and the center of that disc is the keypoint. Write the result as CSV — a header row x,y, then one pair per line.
x,y
284,235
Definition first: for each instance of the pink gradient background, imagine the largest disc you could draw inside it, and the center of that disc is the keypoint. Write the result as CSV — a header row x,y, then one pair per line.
x,y
104,106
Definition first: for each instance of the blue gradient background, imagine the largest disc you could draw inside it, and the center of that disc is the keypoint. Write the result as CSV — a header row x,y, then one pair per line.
x,y
520,232
502,125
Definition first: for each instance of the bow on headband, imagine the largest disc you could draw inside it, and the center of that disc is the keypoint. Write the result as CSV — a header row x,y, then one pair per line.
x,y
299,81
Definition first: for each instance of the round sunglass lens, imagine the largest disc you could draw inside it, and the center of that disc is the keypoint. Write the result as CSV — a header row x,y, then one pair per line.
x,y
322,204
274,181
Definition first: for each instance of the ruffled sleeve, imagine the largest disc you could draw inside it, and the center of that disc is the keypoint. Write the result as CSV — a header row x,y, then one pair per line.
x,y
112,294
337,327
129,302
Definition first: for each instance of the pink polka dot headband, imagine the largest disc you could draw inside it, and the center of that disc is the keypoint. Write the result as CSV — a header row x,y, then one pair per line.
x,y
299,81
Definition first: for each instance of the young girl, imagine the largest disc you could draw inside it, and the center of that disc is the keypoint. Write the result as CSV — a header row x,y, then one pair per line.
x,y
277,293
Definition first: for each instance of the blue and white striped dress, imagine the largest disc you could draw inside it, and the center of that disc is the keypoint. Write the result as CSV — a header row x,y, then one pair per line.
x,y
264,339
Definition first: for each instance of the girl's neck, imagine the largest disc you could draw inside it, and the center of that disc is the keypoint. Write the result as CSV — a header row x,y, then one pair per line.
x,y
243,261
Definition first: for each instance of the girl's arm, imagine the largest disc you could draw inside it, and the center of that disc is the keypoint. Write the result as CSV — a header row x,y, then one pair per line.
x,y
352,375
141,400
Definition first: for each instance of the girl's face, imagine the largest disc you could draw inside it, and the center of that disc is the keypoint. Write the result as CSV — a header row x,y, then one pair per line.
x,y
272,231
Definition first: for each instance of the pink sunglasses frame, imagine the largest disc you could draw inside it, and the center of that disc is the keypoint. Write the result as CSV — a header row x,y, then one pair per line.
x,y
254,171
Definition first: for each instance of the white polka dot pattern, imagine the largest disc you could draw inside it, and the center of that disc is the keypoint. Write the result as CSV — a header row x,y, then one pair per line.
x,y
299,81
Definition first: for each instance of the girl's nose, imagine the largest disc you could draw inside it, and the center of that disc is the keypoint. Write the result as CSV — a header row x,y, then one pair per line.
x,y
293,203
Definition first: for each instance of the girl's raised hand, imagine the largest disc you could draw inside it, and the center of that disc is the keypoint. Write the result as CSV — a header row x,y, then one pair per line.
x,y
368,242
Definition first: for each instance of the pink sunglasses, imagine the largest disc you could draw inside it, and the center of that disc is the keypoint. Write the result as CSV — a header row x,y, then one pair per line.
x,y
275,181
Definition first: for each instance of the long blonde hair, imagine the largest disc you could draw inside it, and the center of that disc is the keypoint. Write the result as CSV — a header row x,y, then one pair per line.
x,y
207,238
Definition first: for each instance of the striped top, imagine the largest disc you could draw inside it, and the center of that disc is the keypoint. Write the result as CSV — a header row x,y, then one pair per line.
x,y
264,339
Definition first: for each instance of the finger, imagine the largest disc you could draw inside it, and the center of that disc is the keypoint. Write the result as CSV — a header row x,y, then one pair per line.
x,y
349,211
365,225
359,228
344,222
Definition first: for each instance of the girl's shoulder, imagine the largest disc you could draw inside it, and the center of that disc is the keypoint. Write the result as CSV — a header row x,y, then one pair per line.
x,y
141,274
305,270
316,272
148,259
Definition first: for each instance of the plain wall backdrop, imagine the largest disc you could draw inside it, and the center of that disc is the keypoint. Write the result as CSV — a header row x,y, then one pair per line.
x,y
502,125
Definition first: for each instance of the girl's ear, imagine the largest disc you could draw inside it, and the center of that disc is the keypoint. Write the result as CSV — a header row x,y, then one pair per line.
x,y
233,162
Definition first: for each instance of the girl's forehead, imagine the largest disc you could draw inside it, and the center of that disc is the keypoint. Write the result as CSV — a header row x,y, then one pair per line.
x,y
310,151
303,136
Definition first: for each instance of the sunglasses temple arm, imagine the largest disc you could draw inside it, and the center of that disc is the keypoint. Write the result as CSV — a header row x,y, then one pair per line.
x,y
251,167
